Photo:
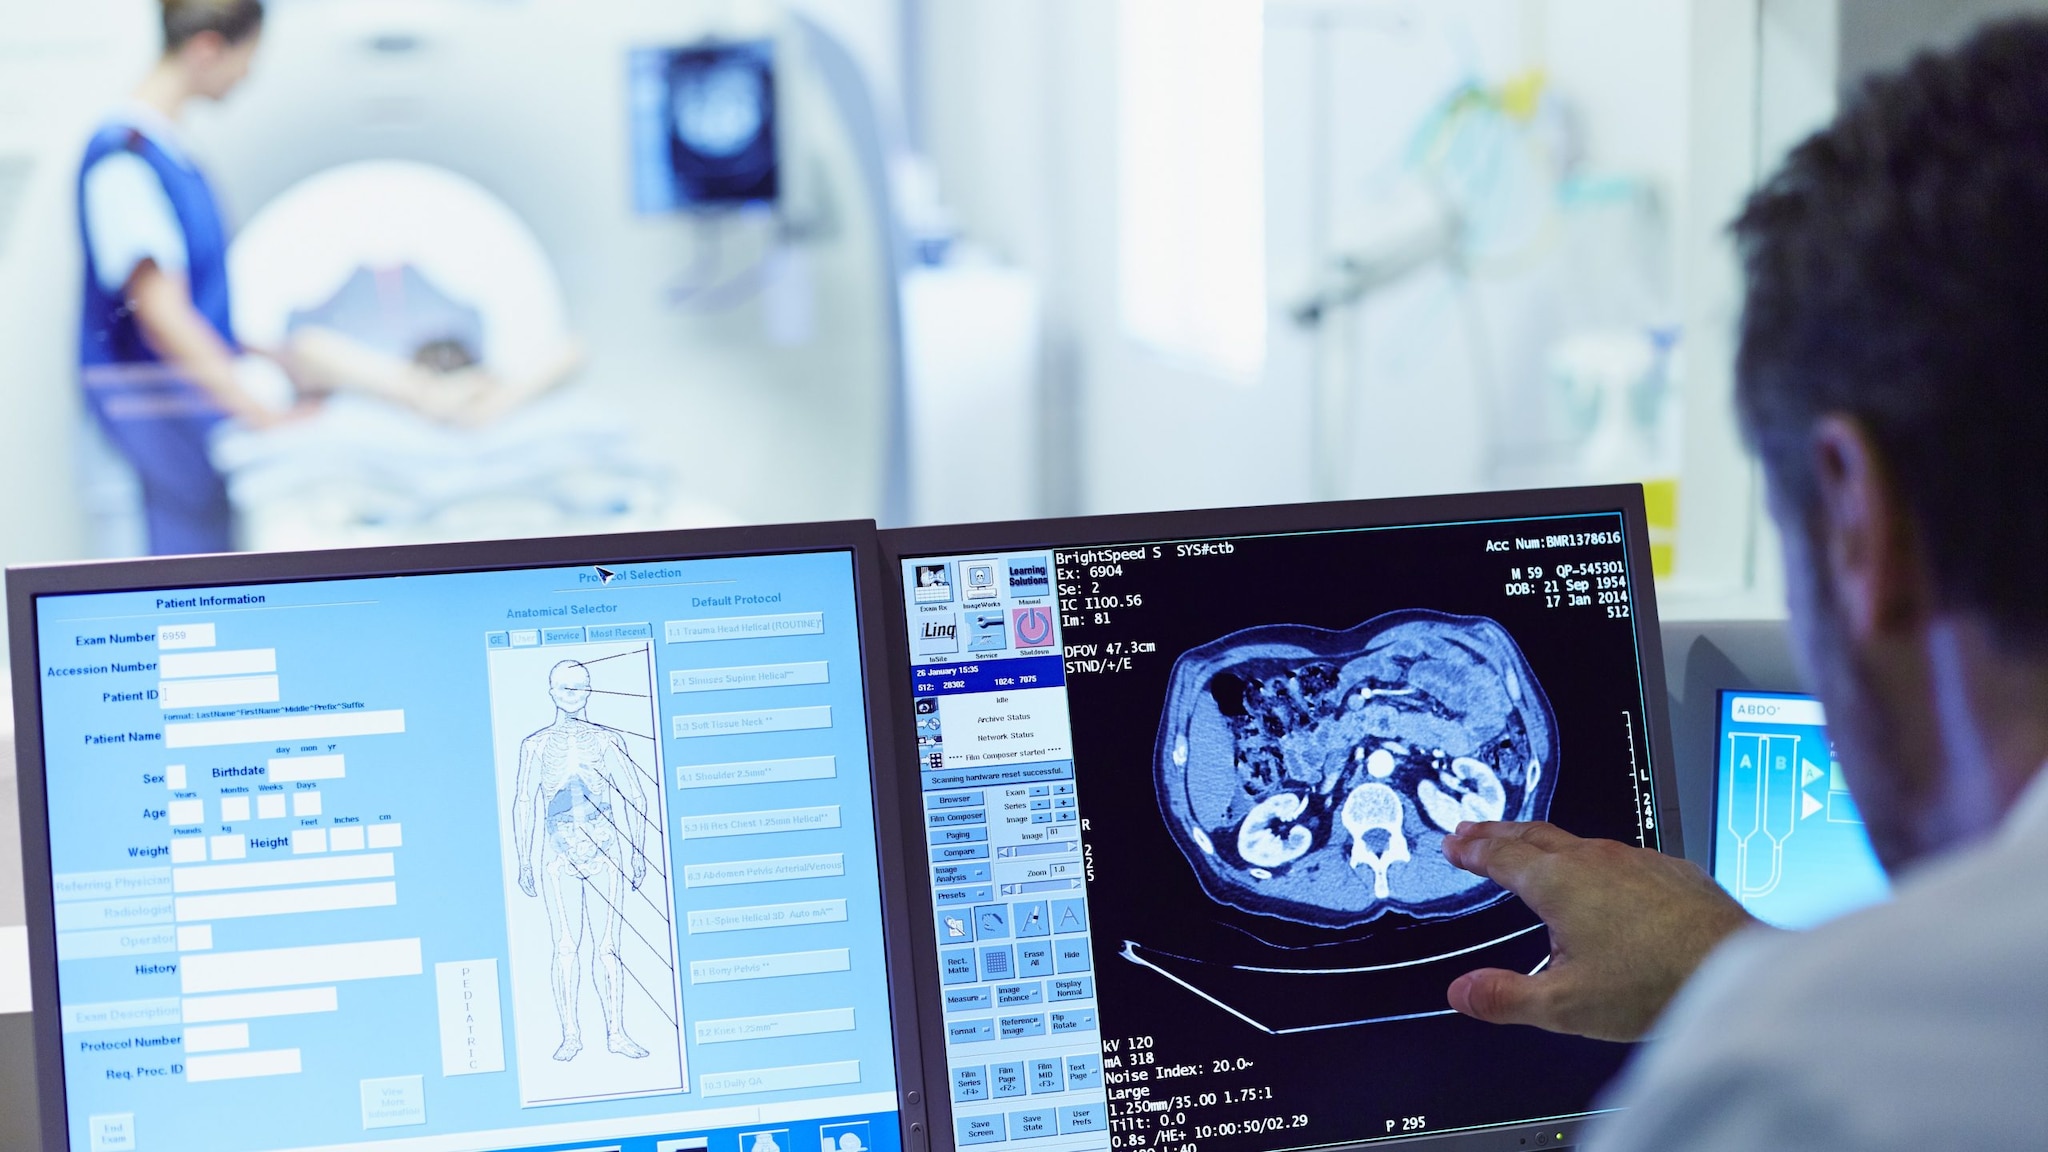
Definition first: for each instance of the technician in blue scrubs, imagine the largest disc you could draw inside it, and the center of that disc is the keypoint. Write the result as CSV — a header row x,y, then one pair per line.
x,y
157,350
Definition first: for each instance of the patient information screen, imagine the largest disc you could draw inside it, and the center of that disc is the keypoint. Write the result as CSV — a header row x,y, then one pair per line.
x,y
537,859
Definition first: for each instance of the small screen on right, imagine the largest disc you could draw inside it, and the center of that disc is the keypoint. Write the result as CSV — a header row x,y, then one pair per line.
x,y
1788,840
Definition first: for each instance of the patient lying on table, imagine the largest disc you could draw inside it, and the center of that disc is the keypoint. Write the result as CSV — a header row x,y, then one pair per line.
x,y
441,380
392,334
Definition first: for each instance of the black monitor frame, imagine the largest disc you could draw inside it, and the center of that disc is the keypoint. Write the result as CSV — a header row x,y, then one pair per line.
x,y
902,544
1704,660
26,584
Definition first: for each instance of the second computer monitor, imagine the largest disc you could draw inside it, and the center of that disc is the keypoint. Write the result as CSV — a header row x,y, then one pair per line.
x,y
1186,780
1789,842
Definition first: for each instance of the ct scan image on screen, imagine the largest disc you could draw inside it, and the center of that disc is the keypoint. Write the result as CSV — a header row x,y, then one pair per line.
x,y
1223,771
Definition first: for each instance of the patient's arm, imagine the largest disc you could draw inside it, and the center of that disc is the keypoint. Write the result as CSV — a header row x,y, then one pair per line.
x,y
323,360
176,331
516,388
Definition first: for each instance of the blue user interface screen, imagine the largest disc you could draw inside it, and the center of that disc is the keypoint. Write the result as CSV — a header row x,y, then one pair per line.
x,y
1184,806
1788,841
533,859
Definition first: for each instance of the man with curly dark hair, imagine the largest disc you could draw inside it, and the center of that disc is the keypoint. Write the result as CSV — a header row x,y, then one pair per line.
x,y
1892,378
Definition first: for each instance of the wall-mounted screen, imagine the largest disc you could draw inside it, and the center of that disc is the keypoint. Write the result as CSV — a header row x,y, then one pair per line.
x,y
704,126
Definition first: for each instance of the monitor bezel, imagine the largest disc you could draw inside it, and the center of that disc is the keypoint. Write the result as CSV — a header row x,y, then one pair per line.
x,y
1701,659
27,584
901,544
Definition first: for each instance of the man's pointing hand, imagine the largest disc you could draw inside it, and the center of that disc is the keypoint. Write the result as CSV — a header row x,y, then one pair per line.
x,y
1628,926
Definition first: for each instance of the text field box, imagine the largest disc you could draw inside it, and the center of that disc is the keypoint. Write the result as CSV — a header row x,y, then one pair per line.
x,y
308,964
279,873
225,662
1790,710
752,723
293,769
716,824
771,966
745,627
242,1065
114,1014
831,911
170,637
104,942
284,729
80,915
213,693
216,1037
780,1079
284,901
107,885
748,676
764,871
260,1005
779,1024
757,772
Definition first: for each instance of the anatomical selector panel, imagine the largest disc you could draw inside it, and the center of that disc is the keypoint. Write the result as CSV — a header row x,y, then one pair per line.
x,y
1311,774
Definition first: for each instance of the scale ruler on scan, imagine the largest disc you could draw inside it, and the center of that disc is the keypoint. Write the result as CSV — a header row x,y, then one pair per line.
x,y
1645,819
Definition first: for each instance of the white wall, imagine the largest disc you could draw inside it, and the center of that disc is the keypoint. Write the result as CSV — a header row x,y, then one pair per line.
x,y
1021,121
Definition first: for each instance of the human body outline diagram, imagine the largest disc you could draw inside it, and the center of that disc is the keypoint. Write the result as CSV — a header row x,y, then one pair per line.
x,y
580,826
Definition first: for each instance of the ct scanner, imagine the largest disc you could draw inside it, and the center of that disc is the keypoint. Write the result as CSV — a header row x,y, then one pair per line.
x,y
742,364
414,254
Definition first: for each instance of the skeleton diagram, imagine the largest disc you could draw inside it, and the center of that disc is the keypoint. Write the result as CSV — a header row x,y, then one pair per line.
x,y
581,789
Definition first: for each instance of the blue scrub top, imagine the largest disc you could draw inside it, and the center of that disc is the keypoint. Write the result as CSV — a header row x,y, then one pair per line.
x,y
158,419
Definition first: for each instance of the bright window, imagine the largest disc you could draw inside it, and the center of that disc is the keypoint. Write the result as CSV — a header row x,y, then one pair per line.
x,y
1191,208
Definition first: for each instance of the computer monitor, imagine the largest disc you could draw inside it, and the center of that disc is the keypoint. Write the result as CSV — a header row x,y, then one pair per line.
x,y
1788,841
704,126
534,845
1186,779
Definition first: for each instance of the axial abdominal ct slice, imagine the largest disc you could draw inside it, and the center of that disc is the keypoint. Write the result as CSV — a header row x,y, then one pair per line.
x,y
1311,775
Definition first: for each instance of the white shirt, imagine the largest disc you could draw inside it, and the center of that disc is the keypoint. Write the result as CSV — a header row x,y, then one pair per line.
x,y
1920,1023
128,216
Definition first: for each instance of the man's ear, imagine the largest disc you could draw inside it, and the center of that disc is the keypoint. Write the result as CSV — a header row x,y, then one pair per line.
x,y
1863,535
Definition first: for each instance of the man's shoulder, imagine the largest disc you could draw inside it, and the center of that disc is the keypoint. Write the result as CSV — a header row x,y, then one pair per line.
x,y
1913,1018
1959,939
1952,925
